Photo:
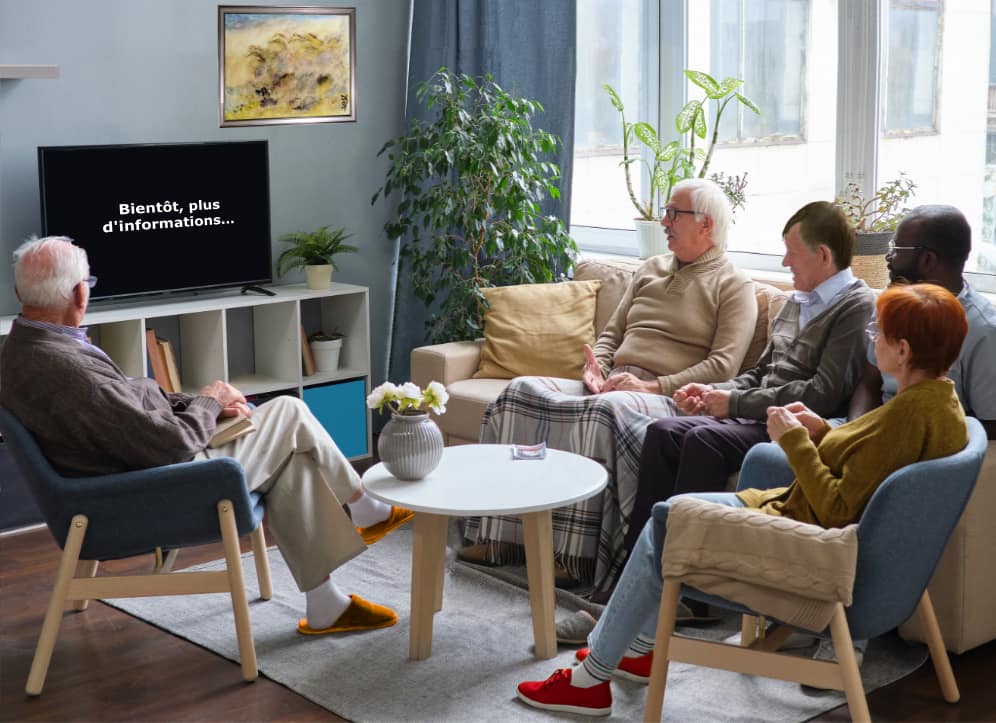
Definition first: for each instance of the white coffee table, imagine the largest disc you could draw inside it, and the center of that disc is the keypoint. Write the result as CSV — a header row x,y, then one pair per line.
x,y
483,479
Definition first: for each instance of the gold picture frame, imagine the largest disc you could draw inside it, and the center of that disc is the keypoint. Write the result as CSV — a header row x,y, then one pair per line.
x,y
286,65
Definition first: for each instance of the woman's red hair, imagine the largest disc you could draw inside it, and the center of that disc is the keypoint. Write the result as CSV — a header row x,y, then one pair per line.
x,y
931,320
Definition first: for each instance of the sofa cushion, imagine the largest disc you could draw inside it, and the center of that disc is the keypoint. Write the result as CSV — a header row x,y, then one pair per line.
x,y
615,275
769,302
465,408
537,329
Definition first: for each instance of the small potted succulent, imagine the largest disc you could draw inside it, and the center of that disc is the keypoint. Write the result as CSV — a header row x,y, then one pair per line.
x,y
315,251
325,348
875,220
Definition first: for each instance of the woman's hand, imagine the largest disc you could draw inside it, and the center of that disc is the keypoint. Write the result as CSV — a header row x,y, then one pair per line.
x,y
591,375
780,420
813,422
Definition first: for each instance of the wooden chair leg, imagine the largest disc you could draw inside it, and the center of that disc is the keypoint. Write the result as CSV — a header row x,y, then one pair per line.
x,y
53,615
236,582
85,568
750,630
170,560
843,647
658,671
262,563
938,653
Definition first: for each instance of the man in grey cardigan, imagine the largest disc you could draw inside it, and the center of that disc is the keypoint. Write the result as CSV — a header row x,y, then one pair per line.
x,y
91,419
815,355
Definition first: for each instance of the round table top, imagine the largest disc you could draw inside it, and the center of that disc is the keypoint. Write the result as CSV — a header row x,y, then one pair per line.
x,y
483,479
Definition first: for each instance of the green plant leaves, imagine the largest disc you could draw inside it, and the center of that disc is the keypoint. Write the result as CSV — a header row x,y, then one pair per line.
x,y
313,248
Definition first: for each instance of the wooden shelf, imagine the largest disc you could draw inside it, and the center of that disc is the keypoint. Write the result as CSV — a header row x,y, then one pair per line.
x,y
29,71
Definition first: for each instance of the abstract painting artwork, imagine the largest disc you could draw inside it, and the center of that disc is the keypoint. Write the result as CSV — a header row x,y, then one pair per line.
x,y
286,65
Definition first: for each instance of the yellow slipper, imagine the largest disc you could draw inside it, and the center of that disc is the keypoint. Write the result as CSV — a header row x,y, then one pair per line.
x,y
398,517
360,615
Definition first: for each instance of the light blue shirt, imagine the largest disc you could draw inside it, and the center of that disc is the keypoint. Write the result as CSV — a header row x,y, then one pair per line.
x,y
76,332
815,302
974,371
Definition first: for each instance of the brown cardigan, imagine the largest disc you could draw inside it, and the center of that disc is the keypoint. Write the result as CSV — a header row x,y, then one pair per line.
x,y
88,417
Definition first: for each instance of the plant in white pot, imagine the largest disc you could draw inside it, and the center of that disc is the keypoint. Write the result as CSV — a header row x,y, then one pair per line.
x,y
678,159
315,252
326,348
875,220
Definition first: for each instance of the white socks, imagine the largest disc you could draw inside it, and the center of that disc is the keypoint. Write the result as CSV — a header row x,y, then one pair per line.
x,y
325,604
581,677
367,511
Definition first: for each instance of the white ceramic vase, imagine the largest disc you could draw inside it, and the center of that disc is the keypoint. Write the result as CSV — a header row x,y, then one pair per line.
x,y
318,277
651,238
326,355
410,445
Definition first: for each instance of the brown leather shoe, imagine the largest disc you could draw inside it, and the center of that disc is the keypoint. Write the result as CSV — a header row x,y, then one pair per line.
x,y
360,615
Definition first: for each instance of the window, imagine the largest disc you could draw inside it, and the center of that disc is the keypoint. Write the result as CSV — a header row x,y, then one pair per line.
x,y
762,42
912,51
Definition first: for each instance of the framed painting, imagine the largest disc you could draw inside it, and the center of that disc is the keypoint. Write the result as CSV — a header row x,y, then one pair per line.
x,y
286,65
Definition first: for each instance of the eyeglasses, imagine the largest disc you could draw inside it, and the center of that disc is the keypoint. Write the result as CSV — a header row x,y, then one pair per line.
x,y
892,248
90,281
871,331
672,213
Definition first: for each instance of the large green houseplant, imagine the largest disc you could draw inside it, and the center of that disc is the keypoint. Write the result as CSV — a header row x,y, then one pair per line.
x,y
315,252
679,159
471,178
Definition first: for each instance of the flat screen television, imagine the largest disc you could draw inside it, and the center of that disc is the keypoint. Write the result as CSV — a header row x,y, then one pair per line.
x,y
161,218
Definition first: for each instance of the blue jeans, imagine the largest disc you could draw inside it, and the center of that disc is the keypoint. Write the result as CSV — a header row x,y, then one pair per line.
x,y
633,607
764,467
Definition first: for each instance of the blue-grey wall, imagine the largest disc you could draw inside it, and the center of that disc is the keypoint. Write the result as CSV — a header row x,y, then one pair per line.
x,y
146,71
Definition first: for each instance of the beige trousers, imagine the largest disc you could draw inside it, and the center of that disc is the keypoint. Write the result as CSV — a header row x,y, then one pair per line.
x,y
305,480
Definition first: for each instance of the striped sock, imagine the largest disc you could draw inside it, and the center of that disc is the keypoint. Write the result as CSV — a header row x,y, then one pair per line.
x,y
640,646
589,673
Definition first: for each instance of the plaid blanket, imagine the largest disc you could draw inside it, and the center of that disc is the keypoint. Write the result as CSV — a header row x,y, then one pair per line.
x,y
587,536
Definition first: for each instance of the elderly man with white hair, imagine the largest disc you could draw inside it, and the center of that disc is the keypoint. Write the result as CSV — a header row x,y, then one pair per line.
x,y
686,316
89,418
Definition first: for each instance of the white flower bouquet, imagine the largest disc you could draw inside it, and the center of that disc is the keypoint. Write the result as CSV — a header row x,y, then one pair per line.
x,y
408,398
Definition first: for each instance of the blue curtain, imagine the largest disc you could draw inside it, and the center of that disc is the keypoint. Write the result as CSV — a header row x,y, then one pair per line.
x,y
529,48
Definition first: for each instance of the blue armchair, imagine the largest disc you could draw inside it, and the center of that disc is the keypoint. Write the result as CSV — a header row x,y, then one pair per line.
x,y
120,515
902,534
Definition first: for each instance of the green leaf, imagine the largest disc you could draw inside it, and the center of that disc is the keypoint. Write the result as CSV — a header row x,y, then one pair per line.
x,y
686,116
614,97
725,88
748,103
705,81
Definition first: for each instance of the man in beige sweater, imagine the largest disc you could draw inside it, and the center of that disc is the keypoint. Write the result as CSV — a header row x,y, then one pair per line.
x,y
688,315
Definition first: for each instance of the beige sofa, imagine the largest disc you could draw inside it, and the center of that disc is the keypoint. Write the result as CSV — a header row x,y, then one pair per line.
x,y
963,589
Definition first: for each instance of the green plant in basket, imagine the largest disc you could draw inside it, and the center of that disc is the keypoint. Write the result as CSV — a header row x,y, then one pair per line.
x,y
881,212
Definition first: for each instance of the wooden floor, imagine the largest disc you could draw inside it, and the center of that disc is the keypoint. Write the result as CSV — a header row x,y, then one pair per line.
x,y
108,666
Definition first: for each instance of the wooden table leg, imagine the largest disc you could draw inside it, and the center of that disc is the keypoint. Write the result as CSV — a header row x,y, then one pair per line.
x,y
537,529
428,560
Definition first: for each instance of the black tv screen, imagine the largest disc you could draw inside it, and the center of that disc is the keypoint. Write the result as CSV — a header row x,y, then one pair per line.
x,y
162,218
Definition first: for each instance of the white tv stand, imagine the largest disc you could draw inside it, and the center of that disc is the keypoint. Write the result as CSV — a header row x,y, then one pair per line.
x,y
253,342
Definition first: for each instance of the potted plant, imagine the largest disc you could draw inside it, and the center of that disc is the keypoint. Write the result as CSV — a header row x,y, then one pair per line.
x,y
315,251
471,178
677,160
875,220
325,349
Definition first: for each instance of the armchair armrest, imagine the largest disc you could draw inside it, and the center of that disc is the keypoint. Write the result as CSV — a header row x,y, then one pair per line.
x,y
170,506
445,363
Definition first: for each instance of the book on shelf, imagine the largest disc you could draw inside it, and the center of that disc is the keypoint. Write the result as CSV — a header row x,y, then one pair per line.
x,y
231,428
170,359
307,358
157,361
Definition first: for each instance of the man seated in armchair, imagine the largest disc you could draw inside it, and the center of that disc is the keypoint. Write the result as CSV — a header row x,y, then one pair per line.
x,y
89,418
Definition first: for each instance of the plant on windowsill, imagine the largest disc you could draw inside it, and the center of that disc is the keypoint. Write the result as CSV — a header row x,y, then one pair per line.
x,y
679,159
875,220
315,252
471,178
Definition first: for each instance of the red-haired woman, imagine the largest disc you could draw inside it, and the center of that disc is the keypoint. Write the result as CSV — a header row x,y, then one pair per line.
x,y
920,330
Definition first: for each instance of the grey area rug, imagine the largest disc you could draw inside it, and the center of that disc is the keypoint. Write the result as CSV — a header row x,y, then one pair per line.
x,y
481,648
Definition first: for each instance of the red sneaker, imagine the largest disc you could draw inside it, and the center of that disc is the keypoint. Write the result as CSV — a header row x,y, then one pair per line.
x,y
635,669
557,693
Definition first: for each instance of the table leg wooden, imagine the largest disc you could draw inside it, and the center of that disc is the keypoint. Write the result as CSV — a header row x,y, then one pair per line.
x,y
428,559
537,528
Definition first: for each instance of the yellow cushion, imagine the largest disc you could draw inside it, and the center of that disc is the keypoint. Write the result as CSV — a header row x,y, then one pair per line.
x,y
537,330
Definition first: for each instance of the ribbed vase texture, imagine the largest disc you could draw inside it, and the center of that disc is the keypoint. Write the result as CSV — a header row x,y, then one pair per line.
x,y
410,446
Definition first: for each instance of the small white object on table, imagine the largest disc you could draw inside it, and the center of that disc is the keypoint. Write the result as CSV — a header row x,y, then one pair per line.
x,y
483,479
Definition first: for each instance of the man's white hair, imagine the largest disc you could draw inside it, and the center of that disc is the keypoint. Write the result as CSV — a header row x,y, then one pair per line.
x,y
709,200
46,270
